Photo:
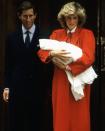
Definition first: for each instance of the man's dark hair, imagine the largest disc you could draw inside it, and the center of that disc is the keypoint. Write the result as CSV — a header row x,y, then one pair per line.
x,y
25,5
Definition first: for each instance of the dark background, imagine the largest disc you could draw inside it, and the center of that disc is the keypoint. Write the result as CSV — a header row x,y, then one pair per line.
x,y
47,17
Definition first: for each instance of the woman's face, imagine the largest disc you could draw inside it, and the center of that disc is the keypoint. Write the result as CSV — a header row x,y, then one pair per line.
x,y
71,21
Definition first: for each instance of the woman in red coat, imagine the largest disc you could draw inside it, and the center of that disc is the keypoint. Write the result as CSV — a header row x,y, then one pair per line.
x,y
69,114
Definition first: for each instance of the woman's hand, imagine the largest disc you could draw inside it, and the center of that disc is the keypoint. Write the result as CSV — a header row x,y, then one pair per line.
x,y
58,63
61,58
59,53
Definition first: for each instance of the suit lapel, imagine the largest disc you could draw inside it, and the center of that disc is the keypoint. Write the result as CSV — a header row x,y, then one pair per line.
x,y
20,40
35,38
34,41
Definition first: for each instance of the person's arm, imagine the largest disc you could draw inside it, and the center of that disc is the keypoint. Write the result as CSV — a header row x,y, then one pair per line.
x,y
8,69
88,57
44,55
48,55
87,42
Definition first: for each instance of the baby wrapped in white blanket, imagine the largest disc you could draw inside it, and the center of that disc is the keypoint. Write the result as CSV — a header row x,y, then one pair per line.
x,y
78,82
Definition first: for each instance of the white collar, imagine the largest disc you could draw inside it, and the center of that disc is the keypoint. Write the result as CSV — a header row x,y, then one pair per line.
x,y
72,31
31,30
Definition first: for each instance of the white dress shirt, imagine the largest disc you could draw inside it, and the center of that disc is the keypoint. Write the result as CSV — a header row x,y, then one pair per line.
x,y
31,30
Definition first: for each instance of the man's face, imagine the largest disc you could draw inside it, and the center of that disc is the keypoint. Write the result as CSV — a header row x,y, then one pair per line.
x,y
27,18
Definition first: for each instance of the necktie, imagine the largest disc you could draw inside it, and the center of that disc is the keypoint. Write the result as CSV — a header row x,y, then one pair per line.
x,y
27,39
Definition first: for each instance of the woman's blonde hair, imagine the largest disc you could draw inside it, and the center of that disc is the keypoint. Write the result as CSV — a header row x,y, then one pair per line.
x,y
72,8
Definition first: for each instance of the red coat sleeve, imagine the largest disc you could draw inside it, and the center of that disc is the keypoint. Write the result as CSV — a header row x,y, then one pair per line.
x,y
43,55
87,42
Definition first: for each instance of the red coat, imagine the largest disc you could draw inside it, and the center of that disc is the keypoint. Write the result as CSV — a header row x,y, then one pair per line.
x,y
68,114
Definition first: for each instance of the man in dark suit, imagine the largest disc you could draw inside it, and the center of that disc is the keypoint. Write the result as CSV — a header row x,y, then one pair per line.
x,y
24,73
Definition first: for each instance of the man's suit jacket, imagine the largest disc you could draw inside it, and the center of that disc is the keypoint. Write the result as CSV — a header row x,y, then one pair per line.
x,y
23,72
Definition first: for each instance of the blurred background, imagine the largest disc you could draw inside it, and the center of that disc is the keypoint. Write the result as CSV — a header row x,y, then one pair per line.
x,y
47,13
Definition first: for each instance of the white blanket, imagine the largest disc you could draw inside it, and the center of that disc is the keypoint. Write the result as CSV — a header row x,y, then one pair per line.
x,y
78,82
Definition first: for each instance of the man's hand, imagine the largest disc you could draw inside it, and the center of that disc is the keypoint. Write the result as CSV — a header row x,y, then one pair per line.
x,y
6,94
